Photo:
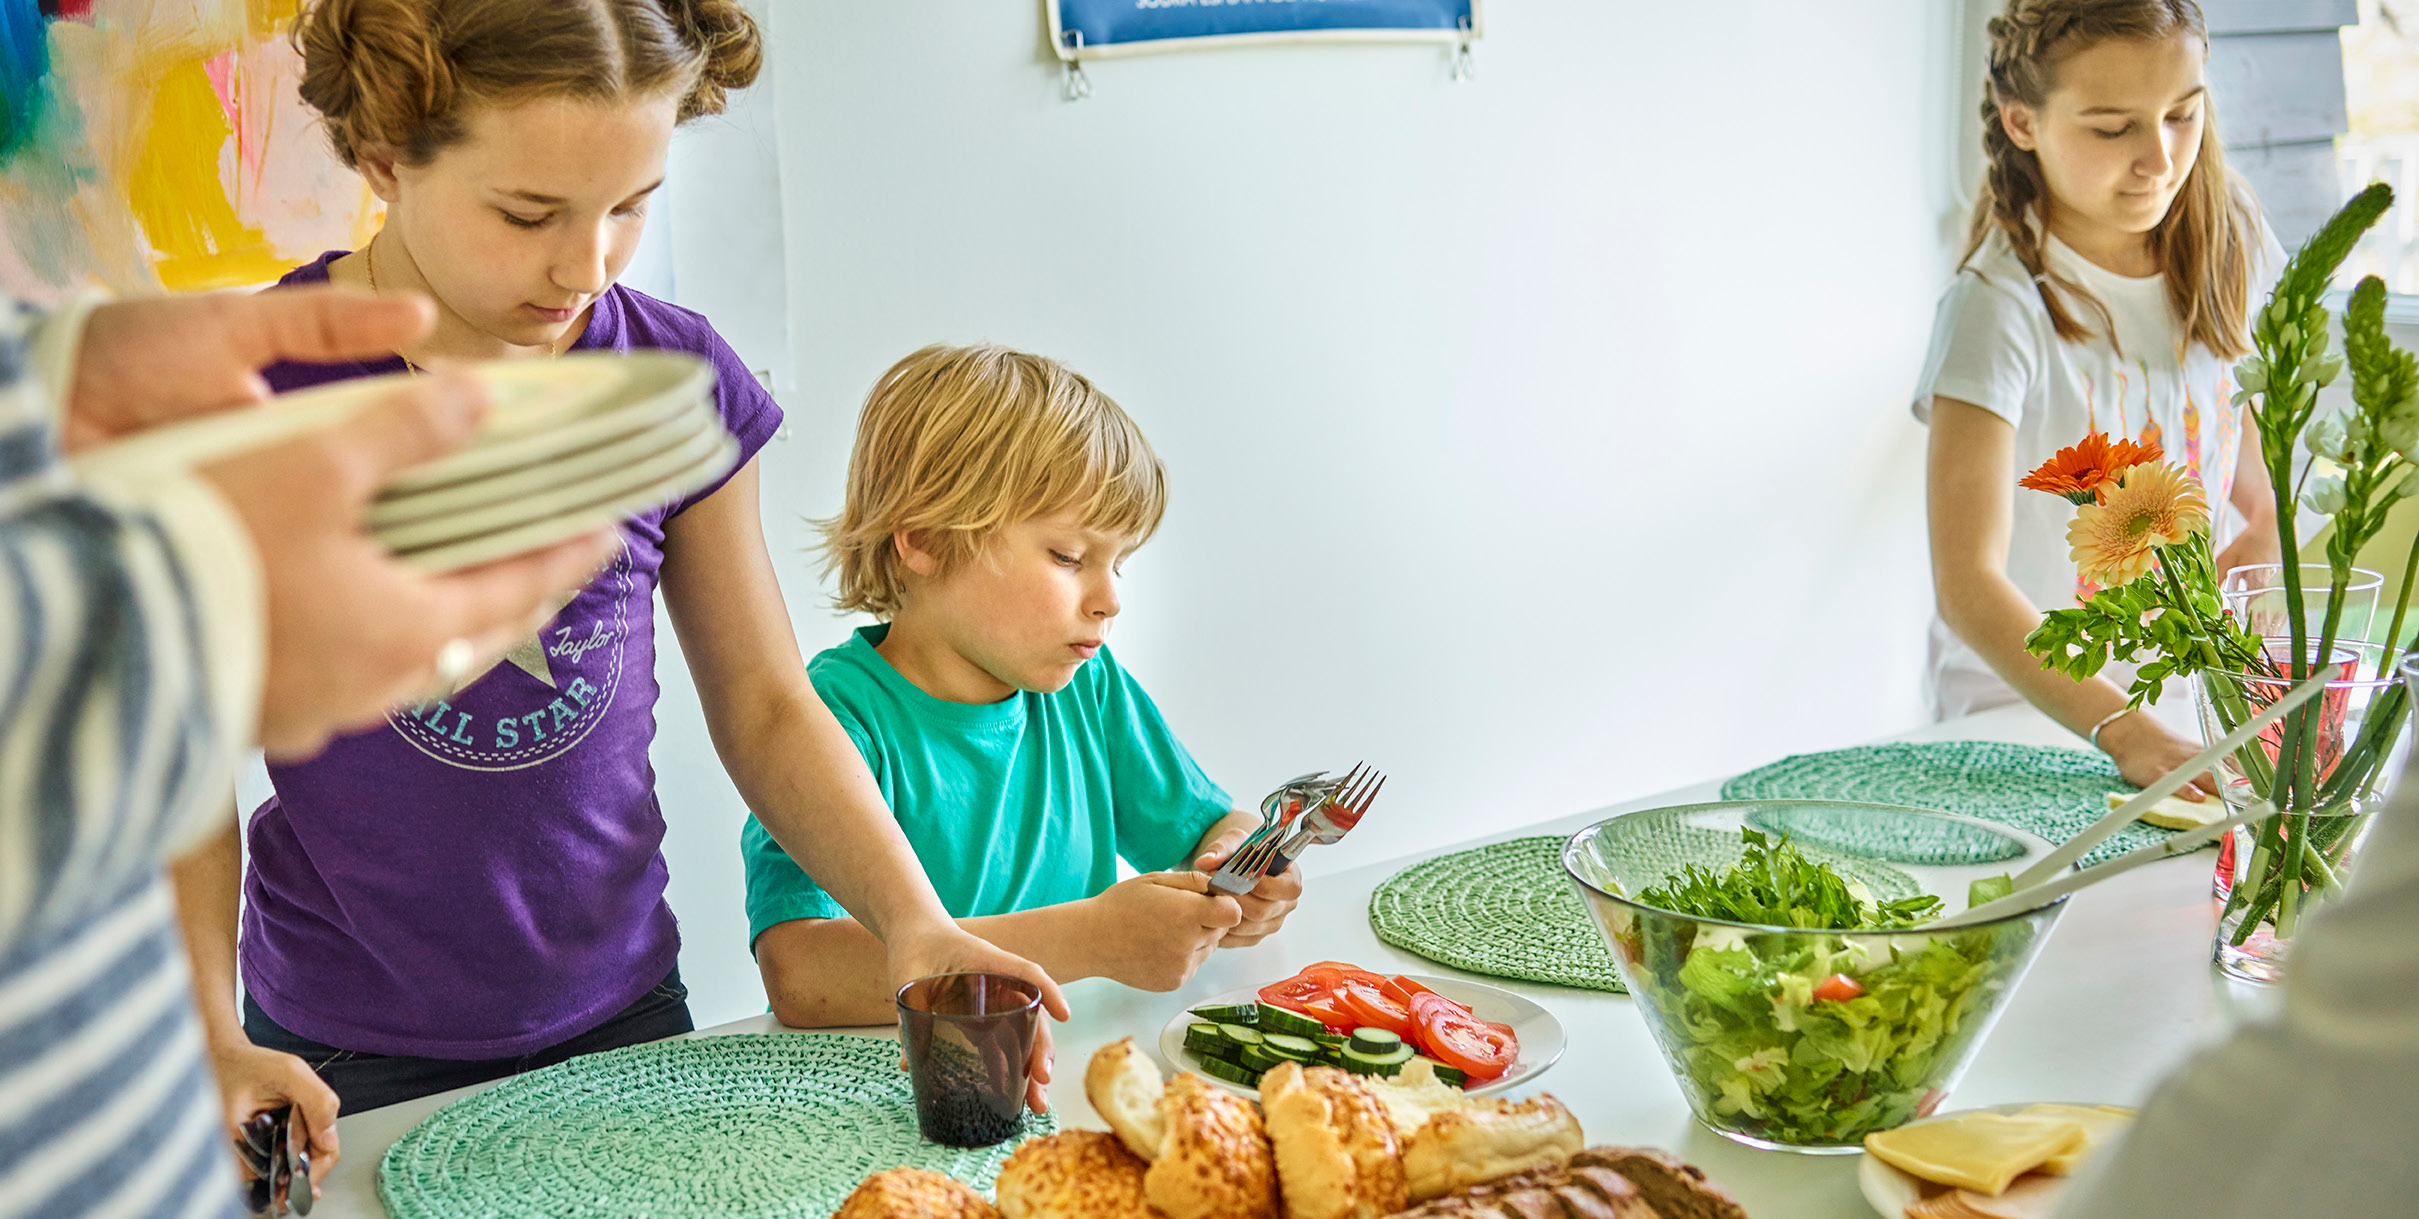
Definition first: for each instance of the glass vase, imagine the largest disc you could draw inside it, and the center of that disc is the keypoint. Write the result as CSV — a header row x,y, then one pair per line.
x,y
2326,765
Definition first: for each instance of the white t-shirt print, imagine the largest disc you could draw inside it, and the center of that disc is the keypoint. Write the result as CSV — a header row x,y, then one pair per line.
x,y
1993,346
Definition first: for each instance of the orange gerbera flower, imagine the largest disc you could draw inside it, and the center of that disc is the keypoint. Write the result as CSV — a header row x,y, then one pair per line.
x,y
2080,472
2115,539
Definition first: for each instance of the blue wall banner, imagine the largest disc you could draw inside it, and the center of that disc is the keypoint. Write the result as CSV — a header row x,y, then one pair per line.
x,y
1088,29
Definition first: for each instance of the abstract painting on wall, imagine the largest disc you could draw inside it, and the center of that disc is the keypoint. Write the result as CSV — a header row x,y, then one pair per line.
x,y
150,144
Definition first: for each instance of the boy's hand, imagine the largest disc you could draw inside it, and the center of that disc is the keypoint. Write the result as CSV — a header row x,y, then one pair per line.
x,y
1154,931
948,948
1265,907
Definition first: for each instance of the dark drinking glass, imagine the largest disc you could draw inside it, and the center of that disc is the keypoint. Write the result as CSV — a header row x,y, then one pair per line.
x,y
969,1038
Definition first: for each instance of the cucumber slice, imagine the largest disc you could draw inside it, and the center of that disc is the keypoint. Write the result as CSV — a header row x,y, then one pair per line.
x,y
1258,1059
1332,1041
1377,1064
1232,1073
1229,1013
1444,1074
1375,1041
1206,1039
1243,1038
1286,1045
1275,1019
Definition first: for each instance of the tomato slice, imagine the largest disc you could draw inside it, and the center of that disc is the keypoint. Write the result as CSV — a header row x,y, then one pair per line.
x,y
1342,971
1329,1010
1838,988
1400,989
1370,1006
1428,1000
1295,991
1474,1047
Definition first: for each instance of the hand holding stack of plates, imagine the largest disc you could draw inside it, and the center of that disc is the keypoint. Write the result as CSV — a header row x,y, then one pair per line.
x,y
567,446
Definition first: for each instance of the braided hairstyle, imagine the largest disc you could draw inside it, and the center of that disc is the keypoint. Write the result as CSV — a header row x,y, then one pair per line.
x,y
2203,244
403,74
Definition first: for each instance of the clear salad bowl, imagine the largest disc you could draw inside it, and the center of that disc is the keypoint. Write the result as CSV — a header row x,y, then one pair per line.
x,y
1808,1039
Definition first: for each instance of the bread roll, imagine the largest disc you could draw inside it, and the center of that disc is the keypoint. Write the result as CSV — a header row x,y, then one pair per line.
x,y
1124,1086
1674,1187
1075,1174
1214,1162
1489,1139
913,1193
1336,1153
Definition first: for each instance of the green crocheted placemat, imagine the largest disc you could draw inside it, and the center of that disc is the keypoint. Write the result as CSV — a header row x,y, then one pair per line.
x,y
1509,910
753,1126
1506,910
2056,793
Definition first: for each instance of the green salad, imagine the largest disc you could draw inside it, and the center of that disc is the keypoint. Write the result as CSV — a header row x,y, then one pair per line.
x,y
1813,1039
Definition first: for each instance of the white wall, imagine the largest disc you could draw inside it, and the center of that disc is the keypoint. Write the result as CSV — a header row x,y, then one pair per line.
x,y
1539,439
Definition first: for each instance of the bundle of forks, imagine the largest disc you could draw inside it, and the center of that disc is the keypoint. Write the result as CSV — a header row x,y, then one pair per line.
x,y
1311,810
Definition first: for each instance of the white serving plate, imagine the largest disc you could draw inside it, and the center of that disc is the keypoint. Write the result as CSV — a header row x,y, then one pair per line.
x,y
397,509
530,400
505,543
1539,1033
1889,1191
606,485
662,384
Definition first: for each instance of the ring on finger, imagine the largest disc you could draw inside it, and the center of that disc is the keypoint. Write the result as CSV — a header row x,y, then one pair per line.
x,y
454,661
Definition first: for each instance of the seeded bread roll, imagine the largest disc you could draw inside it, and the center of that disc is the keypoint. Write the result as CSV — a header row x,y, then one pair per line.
x,y
1124,1086
1335,1149
1677,1189
1075,1174
1489,1140
1214,1162
913,1193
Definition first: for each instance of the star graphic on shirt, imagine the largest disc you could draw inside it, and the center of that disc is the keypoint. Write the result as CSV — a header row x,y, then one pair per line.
x,y
529,656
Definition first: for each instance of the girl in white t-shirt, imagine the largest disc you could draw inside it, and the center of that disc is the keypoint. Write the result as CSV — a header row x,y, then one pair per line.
x,y
2107,286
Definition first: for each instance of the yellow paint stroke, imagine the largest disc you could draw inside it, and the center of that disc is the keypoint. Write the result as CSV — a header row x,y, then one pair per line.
x,y
178,197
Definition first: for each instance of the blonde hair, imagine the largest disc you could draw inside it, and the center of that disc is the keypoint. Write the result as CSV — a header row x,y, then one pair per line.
x,y
959,442
402,74
2203,243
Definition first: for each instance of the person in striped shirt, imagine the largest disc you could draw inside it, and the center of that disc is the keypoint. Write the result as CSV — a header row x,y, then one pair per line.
x,y
147,634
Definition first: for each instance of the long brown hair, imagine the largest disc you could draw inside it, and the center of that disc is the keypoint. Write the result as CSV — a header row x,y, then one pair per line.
x,y
2204,242
401,74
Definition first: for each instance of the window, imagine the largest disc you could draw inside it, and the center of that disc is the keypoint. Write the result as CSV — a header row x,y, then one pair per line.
x,y
2381,91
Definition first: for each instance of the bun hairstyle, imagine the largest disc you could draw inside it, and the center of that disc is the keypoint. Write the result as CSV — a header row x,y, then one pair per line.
x,y
403,74
2203,244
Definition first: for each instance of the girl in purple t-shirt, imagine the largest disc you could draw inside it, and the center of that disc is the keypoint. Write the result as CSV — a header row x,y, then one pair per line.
x,y
477,887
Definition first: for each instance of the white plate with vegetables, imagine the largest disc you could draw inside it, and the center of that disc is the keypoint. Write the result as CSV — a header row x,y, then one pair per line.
x,y
1234,1037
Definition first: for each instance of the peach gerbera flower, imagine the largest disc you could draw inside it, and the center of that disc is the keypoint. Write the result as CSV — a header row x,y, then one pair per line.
x,y
2082,471
2115,539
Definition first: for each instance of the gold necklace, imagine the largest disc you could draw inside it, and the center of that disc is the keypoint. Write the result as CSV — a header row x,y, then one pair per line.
x,y
369,264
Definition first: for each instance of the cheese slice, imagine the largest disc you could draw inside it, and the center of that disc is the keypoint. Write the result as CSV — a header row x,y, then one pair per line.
x,y
2174,812
2101,1126
2033,1196
1981,1151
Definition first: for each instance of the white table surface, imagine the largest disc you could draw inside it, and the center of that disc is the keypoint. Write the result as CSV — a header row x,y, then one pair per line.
x,y
2123,989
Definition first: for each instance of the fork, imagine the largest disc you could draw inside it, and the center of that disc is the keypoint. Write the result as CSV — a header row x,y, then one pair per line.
x,y
1332,819
1335,806
1278,810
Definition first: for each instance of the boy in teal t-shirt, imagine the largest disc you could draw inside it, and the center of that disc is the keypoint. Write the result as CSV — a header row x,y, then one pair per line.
x,y
991,497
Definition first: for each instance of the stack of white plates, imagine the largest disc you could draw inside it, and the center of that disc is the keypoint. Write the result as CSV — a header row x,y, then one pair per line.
x,y
568,446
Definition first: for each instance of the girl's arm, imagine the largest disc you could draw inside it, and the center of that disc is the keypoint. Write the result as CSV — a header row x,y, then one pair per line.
x,y
793,764
1150,932
2255,497
209,883
1970,496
